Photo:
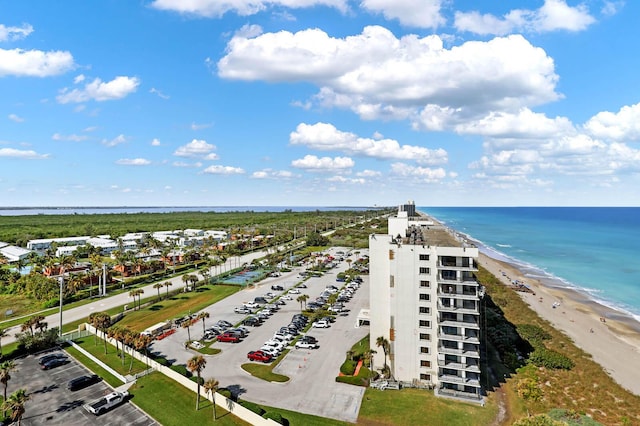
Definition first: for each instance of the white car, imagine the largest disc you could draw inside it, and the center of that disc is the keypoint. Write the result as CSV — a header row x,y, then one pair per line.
x,y
320,324
294,291
250,305
270,350
278,345
286,297
306,345
284,337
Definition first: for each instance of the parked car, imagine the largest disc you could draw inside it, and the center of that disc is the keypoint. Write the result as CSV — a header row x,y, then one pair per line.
x,y
308,338
294,291
303,285
250,305
228,337
321,324
224,323
242,310
303,344
277,288
252,321
82,382
270,350
53,362
49,357
259,356
286,297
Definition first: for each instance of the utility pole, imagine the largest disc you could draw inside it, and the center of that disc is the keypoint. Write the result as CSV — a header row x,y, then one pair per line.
x,y
61,282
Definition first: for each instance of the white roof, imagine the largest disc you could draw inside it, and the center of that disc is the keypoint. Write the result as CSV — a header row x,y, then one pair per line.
x,y
13,253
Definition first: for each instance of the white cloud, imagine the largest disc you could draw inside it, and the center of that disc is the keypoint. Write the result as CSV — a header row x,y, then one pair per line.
x,y
212,156
159,93
424,174
325,137
120,139
379,76
553,15
196,126
16,118
312,163
223,170
14,33
133,162
610,8
197,164
620,126
342,179
369,173
414,13
34,63
195,148
71,137
272,174
217,8
22,154
99,91
79,79
155,142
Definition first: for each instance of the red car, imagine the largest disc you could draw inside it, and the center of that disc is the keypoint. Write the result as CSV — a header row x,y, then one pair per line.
x,y
227,337
259,356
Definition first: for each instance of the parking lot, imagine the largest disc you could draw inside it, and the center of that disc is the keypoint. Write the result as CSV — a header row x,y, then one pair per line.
x,y
312,388
52,403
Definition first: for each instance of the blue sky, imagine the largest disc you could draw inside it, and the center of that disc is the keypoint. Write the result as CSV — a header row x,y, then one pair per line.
x,y
319,102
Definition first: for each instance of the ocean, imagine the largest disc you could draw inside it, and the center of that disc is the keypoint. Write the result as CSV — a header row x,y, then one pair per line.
x,y
589,249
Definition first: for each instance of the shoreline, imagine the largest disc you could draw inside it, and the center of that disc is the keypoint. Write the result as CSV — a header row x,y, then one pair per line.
x,y
609,336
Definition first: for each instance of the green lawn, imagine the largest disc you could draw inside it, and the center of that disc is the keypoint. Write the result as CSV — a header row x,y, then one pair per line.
x,y
111,358
173,404
93,366
421,407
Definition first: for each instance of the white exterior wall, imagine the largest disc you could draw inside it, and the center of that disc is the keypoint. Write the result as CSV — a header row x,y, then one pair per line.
x,y
379,294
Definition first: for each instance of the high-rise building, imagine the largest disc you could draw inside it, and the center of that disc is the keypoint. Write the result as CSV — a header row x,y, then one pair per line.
x,y
425,306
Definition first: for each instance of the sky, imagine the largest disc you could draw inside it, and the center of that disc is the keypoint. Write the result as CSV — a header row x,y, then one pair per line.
x,y
319,103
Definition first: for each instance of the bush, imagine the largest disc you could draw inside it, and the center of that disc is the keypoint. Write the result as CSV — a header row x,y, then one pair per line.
x,y
197,379
226,393
352,380
533,333
348,367
528,389
276,417
252,407
540,420
181,369
543,357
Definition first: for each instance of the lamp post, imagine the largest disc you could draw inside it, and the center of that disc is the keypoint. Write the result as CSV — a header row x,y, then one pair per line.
x,y
61,282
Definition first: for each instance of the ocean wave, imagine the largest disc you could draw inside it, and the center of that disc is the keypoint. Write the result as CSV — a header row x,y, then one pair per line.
x,y
503,245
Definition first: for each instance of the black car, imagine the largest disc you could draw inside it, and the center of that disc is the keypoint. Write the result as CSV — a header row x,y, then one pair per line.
x,y
277,288
54,362
252,321
82,382
49,357
309,339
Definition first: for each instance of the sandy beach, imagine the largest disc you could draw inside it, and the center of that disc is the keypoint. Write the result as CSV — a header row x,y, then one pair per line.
x,y
610,337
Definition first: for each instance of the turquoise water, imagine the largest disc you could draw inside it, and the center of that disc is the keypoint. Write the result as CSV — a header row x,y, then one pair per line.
x,y
591,249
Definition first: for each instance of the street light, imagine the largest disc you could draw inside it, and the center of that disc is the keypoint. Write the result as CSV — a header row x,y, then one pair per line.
x,y
61,282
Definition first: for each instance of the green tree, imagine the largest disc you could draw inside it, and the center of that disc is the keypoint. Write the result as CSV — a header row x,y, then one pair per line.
x,y
101,321
203,316
158,286
211,386
168,284
384,344
197,364
302,299
15,404
186,325
6,368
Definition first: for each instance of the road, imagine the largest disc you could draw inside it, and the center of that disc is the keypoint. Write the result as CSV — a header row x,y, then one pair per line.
x,y
121,299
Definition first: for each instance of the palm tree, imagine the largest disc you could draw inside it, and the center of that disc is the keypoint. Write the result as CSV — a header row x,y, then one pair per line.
x,y
205,275
3,333
101,321
211,386
302,299
185,280
133,293
5,375
196,364
15,403
39,323
115,333
167,285
158,286
186,325
384,343
368,356
139,292
202,316
141,342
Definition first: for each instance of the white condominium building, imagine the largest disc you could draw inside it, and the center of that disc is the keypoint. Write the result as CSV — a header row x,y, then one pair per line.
x,y
425,302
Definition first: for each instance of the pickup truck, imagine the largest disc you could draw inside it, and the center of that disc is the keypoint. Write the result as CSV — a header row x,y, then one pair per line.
x,y
105,403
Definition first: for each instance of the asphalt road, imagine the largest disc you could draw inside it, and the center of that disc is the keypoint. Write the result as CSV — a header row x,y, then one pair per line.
x,y
312,388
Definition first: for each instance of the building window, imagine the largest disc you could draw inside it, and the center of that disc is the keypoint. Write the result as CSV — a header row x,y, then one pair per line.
x,y
425,336
424,350
426,284
426,377
424,296
424,270
425,323
424,257
425,363
424,310
391,281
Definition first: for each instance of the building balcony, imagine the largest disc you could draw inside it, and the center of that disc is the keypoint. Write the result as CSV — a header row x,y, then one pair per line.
x,y
459,395
459,366
443,291
454,267
450,351
458,309
445,378
453,281
466,324
459,338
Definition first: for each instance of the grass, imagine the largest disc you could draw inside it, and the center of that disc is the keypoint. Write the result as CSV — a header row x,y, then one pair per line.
x,y
93,366
111,358
586,388
170,403
414,407
265,371
177,306
300,419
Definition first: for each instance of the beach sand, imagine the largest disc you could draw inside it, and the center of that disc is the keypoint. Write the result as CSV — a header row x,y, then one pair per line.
x,y
610,337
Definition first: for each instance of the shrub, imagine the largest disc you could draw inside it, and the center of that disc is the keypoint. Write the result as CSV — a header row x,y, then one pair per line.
x,y
252,407
226,393
528,389
181,369
348,367
533,333
543,357
352,380
276,417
